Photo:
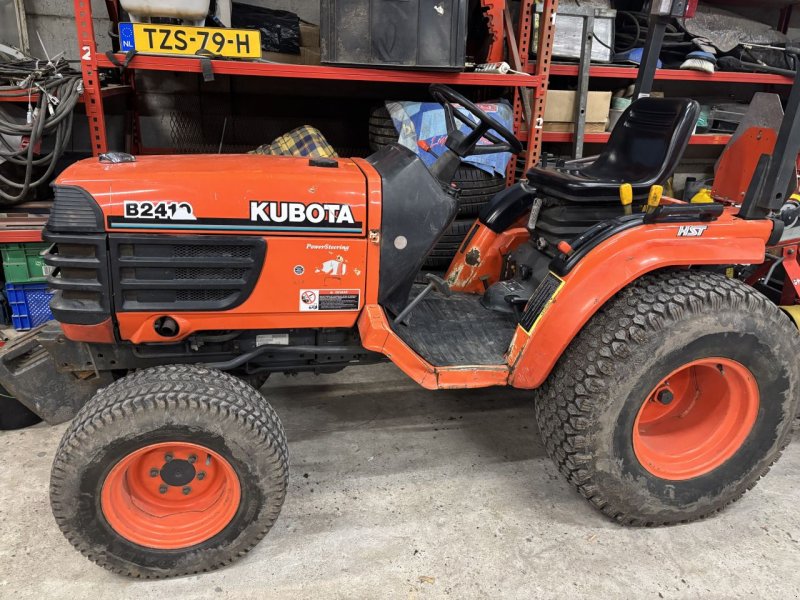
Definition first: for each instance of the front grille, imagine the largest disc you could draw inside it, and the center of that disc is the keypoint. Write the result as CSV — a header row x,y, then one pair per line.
x,y
78,278
74,210
185,273
206,251
540,301
204,295
209,273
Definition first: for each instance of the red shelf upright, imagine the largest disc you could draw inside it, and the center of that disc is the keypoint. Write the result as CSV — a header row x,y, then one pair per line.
x,y
91,83
541,69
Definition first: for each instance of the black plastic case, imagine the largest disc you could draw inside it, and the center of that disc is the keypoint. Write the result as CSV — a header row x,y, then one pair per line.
x,y
424,34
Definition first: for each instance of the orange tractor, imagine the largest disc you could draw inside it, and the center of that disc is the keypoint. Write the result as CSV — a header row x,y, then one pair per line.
x,y
651,330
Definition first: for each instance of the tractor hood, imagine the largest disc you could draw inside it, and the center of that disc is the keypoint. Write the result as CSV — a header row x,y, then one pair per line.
x,y
244,194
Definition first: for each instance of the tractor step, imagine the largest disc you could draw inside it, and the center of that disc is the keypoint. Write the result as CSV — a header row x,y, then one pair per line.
x,y
456,330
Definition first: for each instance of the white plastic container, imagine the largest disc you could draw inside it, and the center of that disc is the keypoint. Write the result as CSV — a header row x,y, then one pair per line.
x,y
191,12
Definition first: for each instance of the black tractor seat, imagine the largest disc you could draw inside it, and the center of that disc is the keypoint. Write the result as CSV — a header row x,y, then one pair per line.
x,y
644,149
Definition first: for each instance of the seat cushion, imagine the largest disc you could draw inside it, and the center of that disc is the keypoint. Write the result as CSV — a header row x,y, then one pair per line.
x,y
577,186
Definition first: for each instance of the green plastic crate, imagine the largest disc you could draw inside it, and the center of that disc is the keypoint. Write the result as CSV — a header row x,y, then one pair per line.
x,y
23,263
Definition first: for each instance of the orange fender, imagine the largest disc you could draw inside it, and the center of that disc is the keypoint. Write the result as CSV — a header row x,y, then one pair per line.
x,y
615,263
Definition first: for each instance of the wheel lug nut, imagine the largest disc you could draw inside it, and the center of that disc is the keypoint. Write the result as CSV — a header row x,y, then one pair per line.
x,y
162,489
167,457
192,459
665,397
187,490
154,472
201,475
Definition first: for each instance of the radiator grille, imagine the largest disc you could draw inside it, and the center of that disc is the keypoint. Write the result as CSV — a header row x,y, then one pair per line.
x,y
184,273
209,273
540,300
206,251
78,277
204,295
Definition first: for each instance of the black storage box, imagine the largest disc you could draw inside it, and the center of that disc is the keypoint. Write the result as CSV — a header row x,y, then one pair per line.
x,y
425,34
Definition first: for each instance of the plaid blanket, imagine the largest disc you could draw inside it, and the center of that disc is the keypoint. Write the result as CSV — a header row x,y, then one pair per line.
x,y
303,141
425,121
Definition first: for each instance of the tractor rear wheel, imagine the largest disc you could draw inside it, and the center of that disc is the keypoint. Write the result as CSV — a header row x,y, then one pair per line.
x,y
675,398
170,471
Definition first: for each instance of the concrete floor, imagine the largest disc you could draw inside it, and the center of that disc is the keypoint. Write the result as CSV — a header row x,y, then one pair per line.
x,y
397,492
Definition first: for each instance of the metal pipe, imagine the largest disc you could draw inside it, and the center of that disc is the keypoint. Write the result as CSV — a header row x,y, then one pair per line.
x,y
243,358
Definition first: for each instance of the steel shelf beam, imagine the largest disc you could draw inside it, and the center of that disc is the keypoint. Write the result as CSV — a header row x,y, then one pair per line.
x,y
701,139
674,75
257,69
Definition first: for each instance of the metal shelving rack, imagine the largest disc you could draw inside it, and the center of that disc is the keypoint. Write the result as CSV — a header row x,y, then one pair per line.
x,y
629,73
536,81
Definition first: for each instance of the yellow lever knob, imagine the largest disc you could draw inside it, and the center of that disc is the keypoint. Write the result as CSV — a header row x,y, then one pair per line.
x,y
626,197
654,199
702,197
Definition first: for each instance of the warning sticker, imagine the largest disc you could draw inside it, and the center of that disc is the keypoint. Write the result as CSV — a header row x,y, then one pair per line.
x,y
329,300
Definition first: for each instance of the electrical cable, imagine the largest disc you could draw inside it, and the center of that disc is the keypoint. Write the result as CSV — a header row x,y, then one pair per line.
x,y
57,88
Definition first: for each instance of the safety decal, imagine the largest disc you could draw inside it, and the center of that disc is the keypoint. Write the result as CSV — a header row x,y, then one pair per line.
x,y
329,300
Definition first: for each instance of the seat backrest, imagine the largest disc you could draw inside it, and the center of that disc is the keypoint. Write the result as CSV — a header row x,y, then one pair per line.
x,y
647,143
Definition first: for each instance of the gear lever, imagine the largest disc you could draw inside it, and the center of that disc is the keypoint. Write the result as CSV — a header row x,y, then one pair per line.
x,y
434,283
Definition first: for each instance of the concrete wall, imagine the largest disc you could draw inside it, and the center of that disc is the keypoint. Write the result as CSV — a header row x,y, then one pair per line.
x,y
54,21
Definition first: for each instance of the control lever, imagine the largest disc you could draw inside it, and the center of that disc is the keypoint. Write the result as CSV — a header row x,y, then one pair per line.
x,y
517,304
434,283
626,198
654,199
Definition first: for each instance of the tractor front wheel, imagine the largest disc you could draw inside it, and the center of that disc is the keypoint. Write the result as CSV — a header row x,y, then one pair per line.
x,y
170,471
674,399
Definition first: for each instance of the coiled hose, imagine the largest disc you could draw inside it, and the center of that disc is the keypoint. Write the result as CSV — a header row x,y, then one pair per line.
x,y
56,88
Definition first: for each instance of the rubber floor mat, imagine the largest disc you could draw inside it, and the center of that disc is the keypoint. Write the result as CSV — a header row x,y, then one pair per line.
x,y
457,331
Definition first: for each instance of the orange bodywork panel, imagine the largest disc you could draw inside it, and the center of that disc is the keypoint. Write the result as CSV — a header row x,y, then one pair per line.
x,y
615,263
738,163
314,220
377,335
102,333
479,260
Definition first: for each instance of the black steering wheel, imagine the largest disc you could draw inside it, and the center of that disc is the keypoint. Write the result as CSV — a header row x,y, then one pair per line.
x,y
502,140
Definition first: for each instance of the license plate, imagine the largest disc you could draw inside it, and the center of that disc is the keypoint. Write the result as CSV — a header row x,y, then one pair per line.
x,y
178,39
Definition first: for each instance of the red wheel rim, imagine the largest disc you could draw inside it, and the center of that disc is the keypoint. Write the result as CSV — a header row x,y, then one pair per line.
x,y
170,495
696,418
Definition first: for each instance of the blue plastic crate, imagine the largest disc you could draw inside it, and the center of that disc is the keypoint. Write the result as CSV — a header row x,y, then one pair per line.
x,y
30,304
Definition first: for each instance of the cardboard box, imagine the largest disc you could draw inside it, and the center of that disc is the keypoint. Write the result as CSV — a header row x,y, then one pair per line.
x,y
307,56
570,127
280,57
311,56
309,35
559,112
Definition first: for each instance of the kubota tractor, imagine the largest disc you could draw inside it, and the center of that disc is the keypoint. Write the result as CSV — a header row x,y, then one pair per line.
x,y
665,372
